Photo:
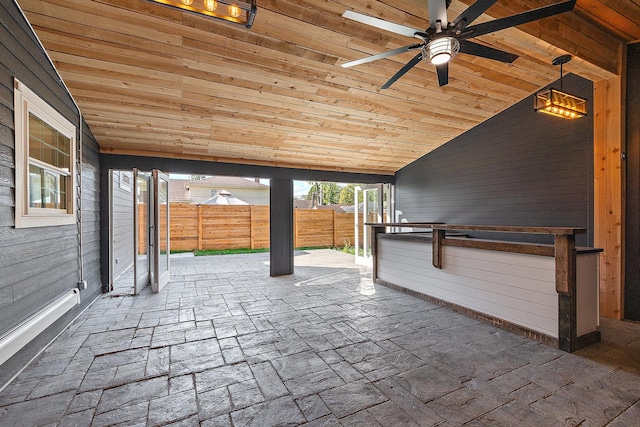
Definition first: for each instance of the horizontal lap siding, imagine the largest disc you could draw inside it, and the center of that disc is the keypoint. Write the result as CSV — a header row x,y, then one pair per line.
x,y
514,287
518,168
37,265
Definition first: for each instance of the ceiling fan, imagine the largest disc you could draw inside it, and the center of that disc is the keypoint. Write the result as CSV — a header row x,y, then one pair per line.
x,y
442,41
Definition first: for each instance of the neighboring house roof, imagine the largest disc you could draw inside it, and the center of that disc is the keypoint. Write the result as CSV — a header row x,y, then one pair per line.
x,y
302,204
337,208
177,190
227,182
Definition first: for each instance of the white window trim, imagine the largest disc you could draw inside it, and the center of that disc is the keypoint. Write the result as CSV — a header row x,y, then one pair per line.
x,y
26,101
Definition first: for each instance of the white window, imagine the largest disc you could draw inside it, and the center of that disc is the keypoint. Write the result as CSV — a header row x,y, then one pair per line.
x,y
45,162
125,180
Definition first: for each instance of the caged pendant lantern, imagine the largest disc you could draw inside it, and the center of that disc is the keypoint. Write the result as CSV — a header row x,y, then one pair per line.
x,y
558,103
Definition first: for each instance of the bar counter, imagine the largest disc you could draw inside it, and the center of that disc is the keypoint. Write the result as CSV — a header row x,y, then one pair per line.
x,y
545,292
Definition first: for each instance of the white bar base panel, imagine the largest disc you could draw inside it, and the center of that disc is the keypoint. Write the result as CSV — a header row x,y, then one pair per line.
x,y
513,291
492,320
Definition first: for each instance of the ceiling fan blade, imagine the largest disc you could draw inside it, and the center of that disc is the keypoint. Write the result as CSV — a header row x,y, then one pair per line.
x,y
443,73
382,55
518,19
472,13
438,12
380,23
409,65
476,49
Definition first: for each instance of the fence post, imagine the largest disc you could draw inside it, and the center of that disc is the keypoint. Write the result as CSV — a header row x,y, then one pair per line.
x,y
252,243
335,229
199,227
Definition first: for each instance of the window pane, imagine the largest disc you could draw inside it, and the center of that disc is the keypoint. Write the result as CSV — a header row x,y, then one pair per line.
x,y
62,191
47,144
48,154
63,152
35,126
47,189
35,149
35,186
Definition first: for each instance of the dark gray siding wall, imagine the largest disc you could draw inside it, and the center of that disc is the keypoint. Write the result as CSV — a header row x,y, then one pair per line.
x,y
39,264
518,168
122,234
632,219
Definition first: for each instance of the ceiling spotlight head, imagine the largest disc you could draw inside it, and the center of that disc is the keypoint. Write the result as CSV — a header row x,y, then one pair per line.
x,y
441,50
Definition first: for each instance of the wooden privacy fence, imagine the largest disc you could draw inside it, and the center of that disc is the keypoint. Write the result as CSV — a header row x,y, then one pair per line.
x,y
232,227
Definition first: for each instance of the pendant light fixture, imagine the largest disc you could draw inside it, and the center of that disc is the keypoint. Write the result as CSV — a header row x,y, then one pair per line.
x,y
241,12
559,103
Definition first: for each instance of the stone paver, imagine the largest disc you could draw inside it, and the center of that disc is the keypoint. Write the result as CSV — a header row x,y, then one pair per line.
x,y
224,344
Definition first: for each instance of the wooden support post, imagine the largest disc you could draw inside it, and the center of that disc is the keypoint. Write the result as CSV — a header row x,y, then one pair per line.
x,y
199,227
608,219
565,248
436,251
374,230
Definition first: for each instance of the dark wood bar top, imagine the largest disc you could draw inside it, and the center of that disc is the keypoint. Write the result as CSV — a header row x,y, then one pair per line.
x,y
427,237
490,228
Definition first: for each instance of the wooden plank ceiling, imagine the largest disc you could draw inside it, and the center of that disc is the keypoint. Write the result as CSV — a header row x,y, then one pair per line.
x,y
153,81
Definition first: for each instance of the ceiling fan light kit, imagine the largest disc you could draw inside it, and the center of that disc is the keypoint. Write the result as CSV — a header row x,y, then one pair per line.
x,y
443,40
241,12
441,50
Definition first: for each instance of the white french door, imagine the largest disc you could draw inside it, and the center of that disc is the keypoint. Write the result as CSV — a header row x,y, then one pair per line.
x,y
141,230
376,207
151,230
161,274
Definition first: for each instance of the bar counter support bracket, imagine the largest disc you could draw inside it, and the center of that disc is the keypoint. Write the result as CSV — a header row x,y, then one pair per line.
x,y
436,253
565,256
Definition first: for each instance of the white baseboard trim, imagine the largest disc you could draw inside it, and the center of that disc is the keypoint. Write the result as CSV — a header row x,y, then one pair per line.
x,y
21,335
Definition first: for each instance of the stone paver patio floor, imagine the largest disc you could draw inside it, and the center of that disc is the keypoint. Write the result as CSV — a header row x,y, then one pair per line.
x,y
224,344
